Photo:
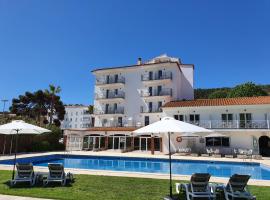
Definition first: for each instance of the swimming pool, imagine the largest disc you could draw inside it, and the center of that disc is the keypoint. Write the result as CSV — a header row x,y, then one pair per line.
x,y
153,165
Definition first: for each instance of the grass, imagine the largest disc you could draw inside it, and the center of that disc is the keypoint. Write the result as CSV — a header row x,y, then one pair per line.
x,y
104,187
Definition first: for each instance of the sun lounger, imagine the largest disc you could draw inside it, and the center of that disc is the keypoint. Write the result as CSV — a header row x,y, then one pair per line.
x,y
237,188
198,187
57,174
24,173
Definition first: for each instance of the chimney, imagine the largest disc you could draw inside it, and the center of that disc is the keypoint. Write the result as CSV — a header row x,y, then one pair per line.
x,y
139,62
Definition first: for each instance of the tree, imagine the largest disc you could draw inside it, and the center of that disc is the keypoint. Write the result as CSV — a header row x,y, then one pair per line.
x,y
30,105
248,89
218,94
53,90
38,105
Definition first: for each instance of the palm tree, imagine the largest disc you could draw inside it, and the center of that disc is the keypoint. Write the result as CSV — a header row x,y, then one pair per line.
x,y
53,90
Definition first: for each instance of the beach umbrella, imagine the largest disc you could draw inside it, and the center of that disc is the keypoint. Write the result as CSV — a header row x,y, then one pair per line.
x,y
20,127
168,126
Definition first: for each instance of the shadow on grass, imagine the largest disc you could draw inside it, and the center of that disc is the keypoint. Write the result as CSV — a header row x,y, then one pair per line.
x,y
39,184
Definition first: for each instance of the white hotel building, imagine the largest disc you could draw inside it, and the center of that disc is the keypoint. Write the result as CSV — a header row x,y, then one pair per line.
x,y
129,97
77,117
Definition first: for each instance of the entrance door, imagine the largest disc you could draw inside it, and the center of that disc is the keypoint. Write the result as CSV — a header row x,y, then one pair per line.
x,y
264,145
116,143
145,143
245,120
122,142
90,143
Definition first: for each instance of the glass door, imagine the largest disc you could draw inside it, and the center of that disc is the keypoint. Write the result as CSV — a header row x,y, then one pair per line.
x,y
143,144
122,142
116,143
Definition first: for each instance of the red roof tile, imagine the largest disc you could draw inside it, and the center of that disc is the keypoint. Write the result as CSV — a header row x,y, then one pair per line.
x,y
220,102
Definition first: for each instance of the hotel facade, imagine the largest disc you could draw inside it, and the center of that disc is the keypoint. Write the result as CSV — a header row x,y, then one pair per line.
x,y
129,97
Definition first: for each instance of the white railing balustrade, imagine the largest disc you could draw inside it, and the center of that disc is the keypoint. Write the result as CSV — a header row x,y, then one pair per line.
x,y
233,124
162,92
110,95
110,80
119,110
157,76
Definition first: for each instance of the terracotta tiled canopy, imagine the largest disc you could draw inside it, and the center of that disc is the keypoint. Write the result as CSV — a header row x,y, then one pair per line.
x,y
220,102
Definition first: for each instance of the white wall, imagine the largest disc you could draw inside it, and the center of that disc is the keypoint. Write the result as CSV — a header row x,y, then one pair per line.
x,y
76,118
181,84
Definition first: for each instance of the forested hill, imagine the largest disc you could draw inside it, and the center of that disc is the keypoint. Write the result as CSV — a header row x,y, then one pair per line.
x,y
209,93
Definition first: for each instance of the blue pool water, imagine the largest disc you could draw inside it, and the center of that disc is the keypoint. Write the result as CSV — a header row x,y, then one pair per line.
x,y
185,167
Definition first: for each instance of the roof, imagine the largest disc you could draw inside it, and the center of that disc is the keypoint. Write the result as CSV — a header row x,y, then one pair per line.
x,y
108,129
130,66
220,102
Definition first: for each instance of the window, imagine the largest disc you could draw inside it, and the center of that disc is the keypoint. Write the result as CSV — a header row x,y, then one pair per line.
x,y
150,75
150,106
116,92
159,74
70,119
227,117
115,107
159,105
76,113
245,120
75,125
120,123
217,141
146,120
179,117
106,108
194,118
227,120
116,78
75,119
150,91
159,88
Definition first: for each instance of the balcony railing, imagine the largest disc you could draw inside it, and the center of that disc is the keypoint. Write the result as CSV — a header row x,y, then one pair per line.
x,y
163,92
110,80
110,111
111,95
151,110
156,76
209,124
234,124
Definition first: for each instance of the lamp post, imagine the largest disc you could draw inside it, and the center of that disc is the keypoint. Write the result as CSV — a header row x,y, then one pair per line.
x,y
4,101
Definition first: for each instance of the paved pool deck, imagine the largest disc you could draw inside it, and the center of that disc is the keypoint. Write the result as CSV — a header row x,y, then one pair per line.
x,y
265,161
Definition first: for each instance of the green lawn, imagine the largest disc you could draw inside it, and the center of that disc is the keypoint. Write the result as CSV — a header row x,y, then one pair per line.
x,y
104,187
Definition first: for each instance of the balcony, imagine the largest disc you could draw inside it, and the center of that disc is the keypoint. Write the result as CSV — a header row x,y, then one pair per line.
x,y
156,76
166,92
110,82
151,110
110,97
234,124
110,111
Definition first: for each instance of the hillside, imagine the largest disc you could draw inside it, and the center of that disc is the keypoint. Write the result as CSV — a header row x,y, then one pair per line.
x,y
201,93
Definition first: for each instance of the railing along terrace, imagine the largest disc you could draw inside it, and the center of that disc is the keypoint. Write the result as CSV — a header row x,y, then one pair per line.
x,y
156,76
233,124
151,110
163,92
110,95
209,124
110,111
110,80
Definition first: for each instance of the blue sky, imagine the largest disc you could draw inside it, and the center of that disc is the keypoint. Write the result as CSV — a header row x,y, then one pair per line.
x,y
60,42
